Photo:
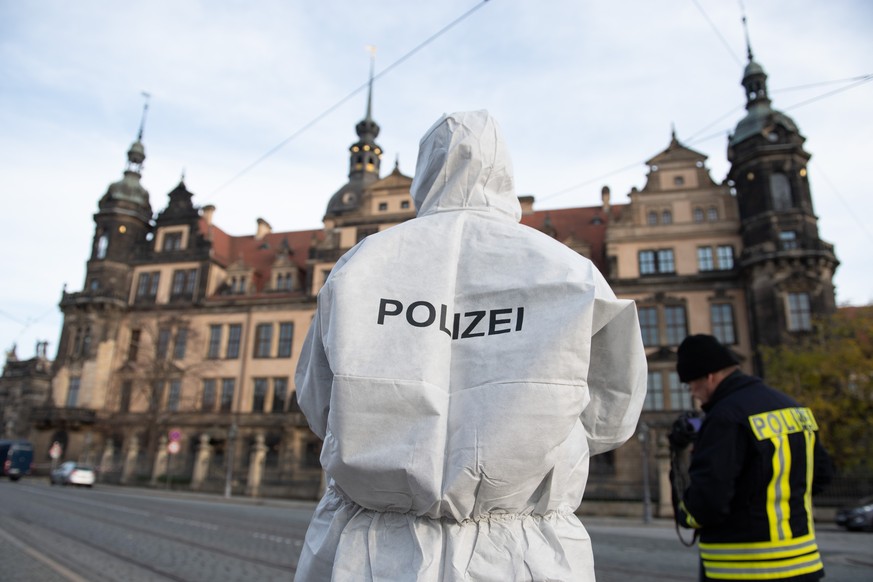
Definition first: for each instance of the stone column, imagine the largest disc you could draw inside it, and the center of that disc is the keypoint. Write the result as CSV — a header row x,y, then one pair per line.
x,y
201,462
665,488
130,459
257,459
108,455
160,466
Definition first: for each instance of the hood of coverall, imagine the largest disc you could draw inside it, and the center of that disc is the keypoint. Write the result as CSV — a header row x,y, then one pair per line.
x,y
463,162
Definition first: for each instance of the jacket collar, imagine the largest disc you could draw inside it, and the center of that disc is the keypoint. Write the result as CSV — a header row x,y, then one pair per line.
x,y
732,383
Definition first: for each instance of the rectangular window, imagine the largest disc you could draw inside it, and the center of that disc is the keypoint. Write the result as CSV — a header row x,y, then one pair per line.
x,y
181,343
142,285
259,397
183,284
649,325
788,240
178,283
147,286
234,333
654,392
286,334
383,206
280,390
175,395
660,261
680,396
208,399
665,261
647,262
163,345
73,392
153,287
725,257
124,401
190,282
172,241
263,340
133,348
214,349
674,316
227,389
722,316
799,312
704,259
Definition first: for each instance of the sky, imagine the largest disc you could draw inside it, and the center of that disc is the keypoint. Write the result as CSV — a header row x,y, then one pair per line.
x,y
255,104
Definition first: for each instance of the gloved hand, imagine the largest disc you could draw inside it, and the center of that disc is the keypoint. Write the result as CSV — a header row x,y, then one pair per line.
x,y
684,431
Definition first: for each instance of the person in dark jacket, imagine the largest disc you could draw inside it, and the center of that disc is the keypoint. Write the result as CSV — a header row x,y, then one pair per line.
x,y
755,464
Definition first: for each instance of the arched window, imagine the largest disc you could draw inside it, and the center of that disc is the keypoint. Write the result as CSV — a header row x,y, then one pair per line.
x,y
652,218
667,217
712,214
698,215
102,246
780,192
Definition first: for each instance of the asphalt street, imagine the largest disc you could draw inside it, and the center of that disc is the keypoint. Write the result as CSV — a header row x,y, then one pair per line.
x,y
108,533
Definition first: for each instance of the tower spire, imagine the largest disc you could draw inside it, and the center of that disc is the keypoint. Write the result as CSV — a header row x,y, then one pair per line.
x,y
366,153
372,50
145,109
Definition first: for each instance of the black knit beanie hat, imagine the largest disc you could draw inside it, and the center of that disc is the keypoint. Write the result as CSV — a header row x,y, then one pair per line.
x,y
700,355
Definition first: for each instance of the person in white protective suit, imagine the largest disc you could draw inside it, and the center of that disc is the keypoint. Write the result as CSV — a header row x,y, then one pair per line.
x,y
461,369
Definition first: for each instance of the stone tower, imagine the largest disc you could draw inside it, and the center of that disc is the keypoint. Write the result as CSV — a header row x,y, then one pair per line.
x,y
787,268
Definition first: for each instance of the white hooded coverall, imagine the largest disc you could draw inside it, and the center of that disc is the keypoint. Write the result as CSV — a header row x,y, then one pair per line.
x,y
461,369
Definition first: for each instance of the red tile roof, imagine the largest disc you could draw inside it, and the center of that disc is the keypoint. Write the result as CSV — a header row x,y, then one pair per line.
x,y
585,225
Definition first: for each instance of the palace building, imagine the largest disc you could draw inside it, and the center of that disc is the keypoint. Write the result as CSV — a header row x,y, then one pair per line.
x,y
185,334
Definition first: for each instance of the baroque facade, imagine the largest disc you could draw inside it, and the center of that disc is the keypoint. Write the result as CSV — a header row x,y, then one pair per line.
x,y
185,334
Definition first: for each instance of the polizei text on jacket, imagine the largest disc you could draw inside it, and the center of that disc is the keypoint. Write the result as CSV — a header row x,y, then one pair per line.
x,y
468,324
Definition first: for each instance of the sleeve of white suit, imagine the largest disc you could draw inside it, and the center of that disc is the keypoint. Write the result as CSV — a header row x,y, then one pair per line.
x,y
314,376
616,375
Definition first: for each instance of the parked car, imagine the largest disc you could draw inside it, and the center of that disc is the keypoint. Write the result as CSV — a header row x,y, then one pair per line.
x,y
857,516
72,473
16,457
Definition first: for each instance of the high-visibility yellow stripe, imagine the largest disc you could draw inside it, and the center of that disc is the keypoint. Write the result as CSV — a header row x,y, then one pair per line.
x,y
689,519
810,465
779,490
760,551
764,570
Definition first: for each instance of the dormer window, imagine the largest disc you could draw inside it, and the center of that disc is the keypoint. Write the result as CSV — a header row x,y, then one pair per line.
x,y
172,241
284,281
238,285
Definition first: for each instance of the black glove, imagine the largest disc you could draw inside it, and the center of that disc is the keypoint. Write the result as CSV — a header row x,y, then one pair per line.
x,y
684,431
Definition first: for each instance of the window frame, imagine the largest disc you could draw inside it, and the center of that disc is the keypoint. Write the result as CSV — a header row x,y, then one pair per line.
x,y
263,340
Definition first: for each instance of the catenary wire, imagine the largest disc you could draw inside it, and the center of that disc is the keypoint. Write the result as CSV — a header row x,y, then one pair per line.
x,y
694,139
360,88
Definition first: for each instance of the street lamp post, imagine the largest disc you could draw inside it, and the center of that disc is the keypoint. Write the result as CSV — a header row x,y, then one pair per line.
x,y
231,441
642,435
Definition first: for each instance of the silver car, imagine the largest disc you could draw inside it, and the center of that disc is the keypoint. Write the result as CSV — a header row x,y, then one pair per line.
x,y
73,473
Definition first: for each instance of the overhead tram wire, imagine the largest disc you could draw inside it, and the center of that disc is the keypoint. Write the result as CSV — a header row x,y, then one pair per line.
x,y
693,139
342,101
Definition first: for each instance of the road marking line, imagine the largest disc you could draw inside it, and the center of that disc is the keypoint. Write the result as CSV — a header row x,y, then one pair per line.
x,y
57,567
